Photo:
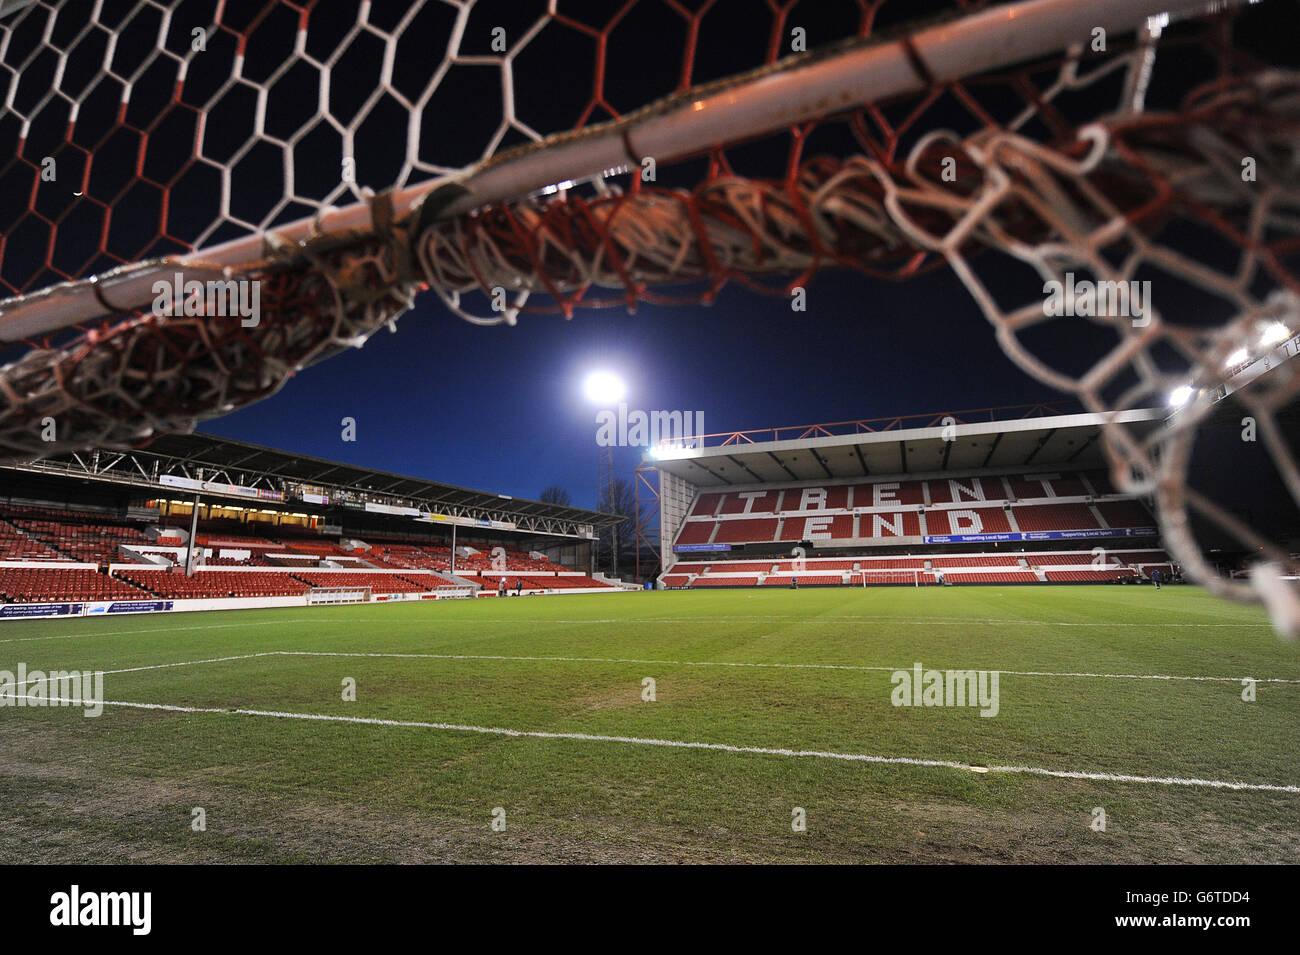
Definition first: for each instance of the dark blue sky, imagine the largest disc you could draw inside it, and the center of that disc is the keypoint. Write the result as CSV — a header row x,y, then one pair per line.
x,y
502,409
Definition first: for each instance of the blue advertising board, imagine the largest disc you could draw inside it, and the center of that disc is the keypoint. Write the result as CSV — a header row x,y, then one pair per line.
x,y
40,610
134,606
1093,533
696,548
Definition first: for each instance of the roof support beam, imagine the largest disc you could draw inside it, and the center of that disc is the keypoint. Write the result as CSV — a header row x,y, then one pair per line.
x,y
857,449
997,439
1039,446
793,476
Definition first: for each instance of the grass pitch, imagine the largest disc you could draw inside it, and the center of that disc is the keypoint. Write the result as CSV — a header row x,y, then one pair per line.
x,y
409,772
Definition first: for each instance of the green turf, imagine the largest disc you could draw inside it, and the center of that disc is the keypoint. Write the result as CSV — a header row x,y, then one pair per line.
x,y
123,786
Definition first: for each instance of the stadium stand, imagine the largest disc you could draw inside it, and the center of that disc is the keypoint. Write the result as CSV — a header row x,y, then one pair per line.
x,y
213,583
983,520
282,560
34,541
380,583
34,585
550,581
1055,517
82,541
1027,567
1084,576
942,511
18,545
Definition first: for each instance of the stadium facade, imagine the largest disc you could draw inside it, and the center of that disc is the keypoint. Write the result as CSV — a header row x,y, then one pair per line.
x,y
999,496
195,522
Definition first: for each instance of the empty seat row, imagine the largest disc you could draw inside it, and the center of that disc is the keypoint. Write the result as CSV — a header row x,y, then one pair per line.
x,y
965,490
30,584
380,583
937,522
214,583
906,569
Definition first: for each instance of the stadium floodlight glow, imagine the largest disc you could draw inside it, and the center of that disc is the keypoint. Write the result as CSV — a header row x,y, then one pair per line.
x,y
604,388
1236,358
671,452
1180,396
1274,333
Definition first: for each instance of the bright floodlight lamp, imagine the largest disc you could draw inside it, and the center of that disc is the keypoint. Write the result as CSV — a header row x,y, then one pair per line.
x,y
1274,333
604,388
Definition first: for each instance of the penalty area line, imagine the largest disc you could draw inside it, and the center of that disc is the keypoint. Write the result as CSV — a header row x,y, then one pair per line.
x,y
712,747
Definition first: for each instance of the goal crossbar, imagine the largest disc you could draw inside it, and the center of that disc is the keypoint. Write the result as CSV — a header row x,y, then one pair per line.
x,y
793,90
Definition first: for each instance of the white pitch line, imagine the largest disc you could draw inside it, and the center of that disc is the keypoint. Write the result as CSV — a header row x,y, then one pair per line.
x,y
124,633
693,663
182,663
1158,780
780,666
817,620
190,663
632,621
228,626
715,747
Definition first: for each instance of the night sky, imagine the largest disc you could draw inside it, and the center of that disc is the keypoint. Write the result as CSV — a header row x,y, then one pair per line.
x,y
502,408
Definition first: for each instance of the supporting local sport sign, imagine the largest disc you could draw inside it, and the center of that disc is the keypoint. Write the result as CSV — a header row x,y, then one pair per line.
x,y
1041,535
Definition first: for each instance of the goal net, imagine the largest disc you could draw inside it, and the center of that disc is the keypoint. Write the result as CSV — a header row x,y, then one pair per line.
x,y
910,578
199,199
338,595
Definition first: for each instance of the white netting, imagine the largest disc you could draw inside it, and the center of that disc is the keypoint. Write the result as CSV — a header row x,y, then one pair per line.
x,y
1065,217
251,114
1096,213
178,126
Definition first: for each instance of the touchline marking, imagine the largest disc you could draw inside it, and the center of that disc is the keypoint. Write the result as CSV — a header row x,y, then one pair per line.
x,y
818,620
164,666
715,747
631,621
693,663
124,633
229,626
779,666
